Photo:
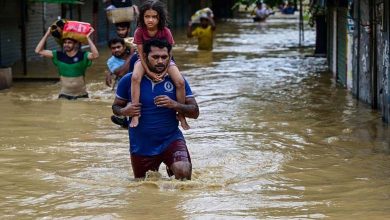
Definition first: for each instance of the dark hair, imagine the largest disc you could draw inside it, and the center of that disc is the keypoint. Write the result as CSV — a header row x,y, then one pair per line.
x,y
115,41
154,42
123,24
67,38
157,6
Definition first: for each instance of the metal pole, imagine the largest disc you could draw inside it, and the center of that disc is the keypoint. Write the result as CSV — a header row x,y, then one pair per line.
x,y
301,30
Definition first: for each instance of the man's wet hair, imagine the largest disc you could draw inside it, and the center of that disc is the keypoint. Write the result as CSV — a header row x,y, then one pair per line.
x,y
123,24
115,41
156,43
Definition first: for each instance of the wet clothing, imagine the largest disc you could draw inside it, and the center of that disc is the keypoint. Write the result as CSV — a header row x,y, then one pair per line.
x,y
68,97
73,86
114,63
262,13
176,151
71,66
205,37
141,35
158,127
288,10
72,73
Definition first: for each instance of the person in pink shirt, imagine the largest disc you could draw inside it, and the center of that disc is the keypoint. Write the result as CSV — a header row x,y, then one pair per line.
x,y
152,25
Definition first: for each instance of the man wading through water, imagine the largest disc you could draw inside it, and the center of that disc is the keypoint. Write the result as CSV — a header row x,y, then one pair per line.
x,y
71,64
157,139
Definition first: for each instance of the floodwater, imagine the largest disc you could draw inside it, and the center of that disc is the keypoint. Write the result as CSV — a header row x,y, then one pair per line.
x,y
277,138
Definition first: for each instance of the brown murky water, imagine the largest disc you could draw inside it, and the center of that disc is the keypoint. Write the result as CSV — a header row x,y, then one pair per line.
x,y
276,139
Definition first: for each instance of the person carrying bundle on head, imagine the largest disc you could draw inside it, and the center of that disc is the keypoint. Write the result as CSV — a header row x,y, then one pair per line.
x,y
71,62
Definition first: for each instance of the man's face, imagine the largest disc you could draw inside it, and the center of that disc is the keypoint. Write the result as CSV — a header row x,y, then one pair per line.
x,y
122,32
69,45
117,49
204,22
158,59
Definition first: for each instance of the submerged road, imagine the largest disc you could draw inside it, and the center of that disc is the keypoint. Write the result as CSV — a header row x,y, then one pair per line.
x,y
277,138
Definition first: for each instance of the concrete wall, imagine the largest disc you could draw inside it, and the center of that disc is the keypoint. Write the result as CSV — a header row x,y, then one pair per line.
x,y
371,55
105,30
349,61
355,52
332,40
180,11
39,17
10,33
363,74
222,9
5,78
368,55
386,62
175,13
382,57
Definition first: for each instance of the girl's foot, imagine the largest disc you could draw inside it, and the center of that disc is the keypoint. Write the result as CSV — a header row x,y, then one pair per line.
x,y
183,122
134,122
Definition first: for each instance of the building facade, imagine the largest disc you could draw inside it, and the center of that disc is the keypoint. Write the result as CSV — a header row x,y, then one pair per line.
x,y
20,32
358,49
23,23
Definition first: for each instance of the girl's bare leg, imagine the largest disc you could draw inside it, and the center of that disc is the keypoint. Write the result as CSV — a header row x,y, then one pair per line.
x,y
178,80
135,90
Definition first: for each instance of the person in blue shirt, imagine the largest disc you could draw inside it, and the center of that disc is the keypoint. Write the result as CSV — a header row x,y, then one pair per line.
x,y
124,56
157,139
121,62
288,9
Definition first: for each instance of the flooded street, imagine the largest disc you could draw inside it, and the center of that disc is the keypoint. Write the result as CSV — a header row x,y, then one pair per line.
x,y
276,138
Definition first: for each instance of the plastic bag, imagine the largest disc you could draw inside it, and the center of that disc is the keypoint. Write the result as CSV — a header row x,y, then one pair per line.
x,y
56,30
195,18
76,30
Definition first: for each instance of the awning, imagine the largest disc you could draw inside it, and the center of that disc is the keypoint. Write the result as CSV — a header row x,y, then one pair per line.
x,y
61,1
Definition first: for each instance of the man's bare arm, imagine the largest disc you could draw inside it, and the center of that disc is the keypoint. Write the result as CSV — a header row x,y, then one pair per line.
x,y
190,109
94,52
122,70
123,108
189,29
40,47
